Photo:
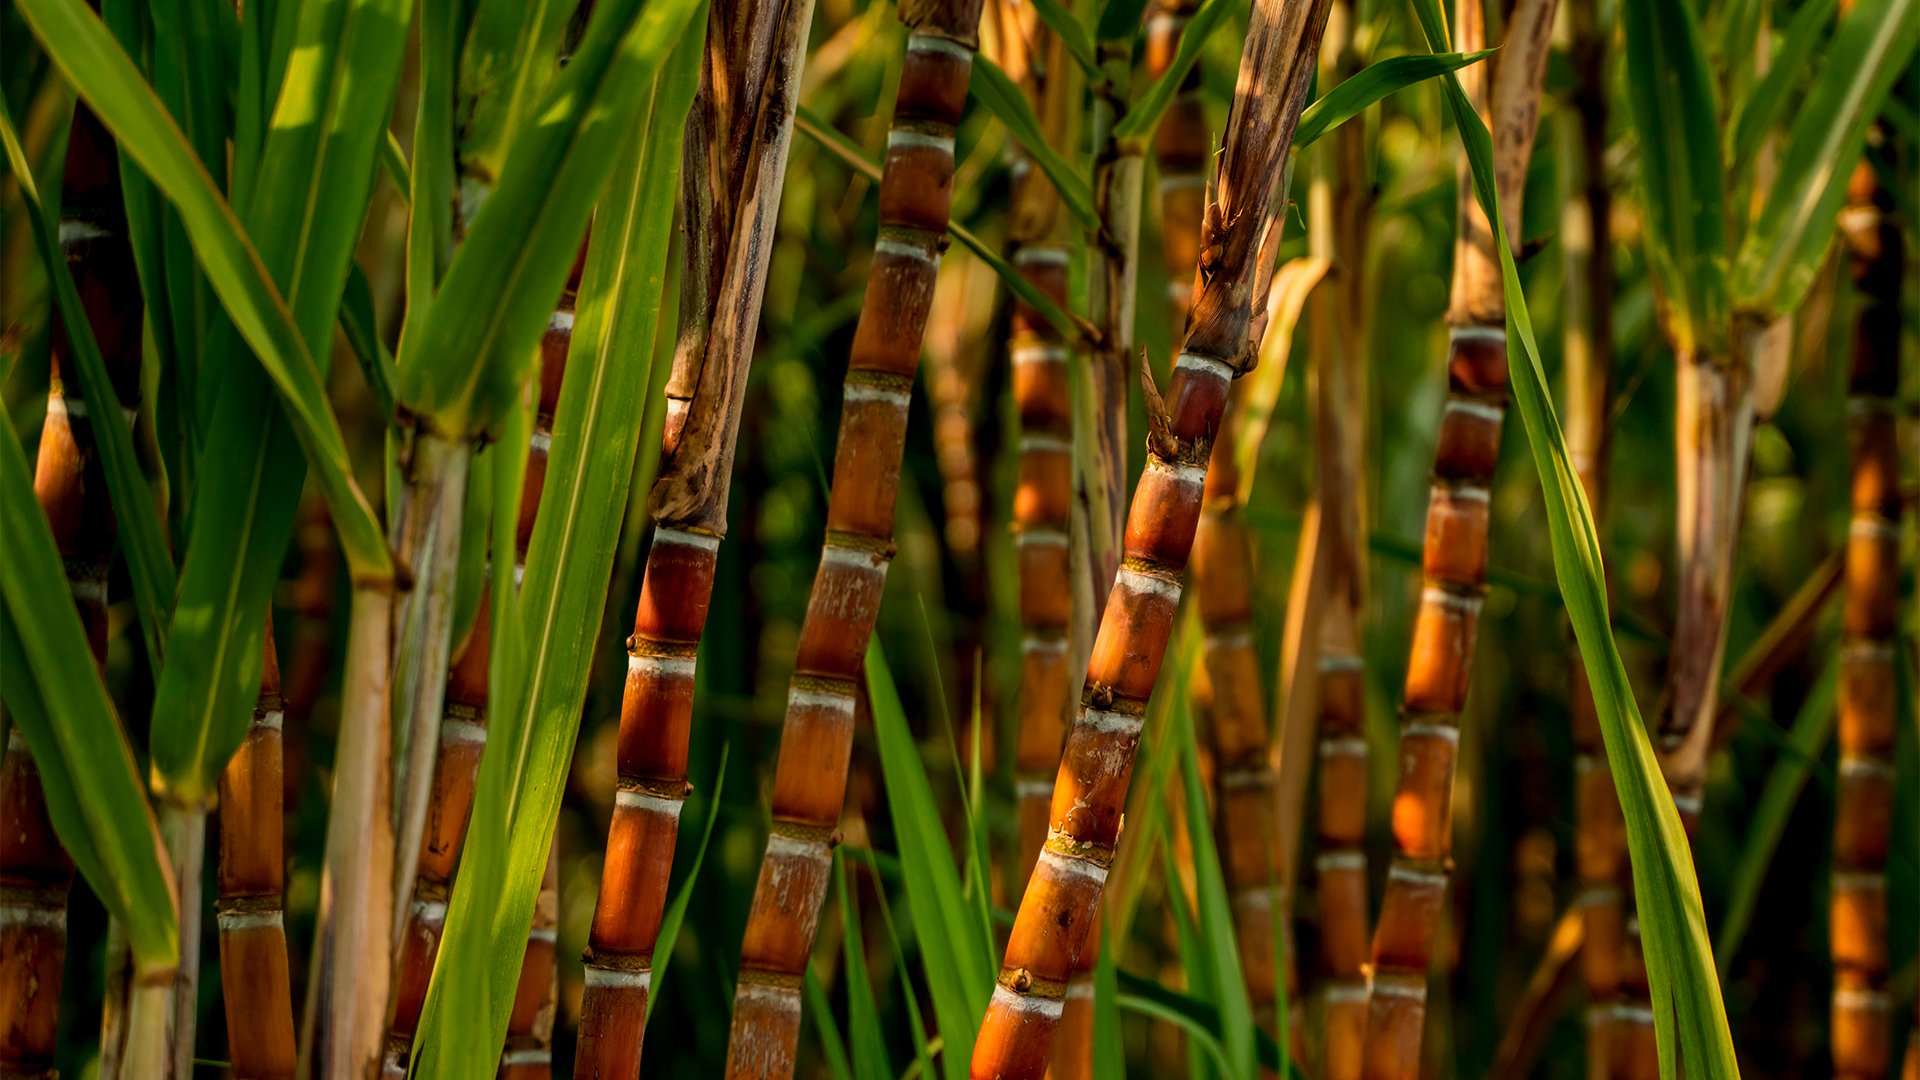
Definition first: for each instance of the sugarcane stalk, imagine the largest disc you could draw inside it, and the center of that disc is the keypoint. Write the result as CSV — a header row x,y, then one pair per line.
x,y
1056,914
255,981
1337,209
529,1051
70,486
1454,558
1043,500
1863,812
1600,854
463,729
735,165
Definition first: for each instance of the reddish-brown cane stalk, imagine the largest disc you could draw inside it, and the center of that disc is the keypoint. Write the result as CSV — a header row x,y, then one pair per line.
x,y
735,159
463,730
1863,812
1600,854
529,1051
255,980
1337,210
70,485
810,775
1056,915
1454,559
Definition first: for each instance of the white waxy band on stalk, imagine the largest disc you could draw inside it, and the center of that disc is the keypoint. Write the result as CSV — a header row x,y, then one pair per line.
x,y
1080,988
1348,746
1232,639
1478,334
543,933
684,538
1040,537
1687,804
1880,652
1330,663
1112,723
74,232
793,847
682,666
1341,860
1859,881
826,700
1469,605
1347,993
934,43
1039,354
1189,475
857,558
269,720
250,920
88,589
1865,768
1861,1000
462,731
1068,865
1150,584
1051,646
1048,1007
1425,878
920,140
1246,776
541,441
647,800
430,910
1045,444
1633,1014
531,1056
1462,492
1029,787
38,918
1043,255
1872,527
1443,732
1413,989
618,978
901,250
1479,410
1204,365
561,322
868,392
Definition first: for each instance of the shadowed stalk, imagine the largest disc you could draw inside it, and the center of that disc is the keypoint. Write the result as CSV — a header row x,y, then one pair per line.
x,y
1863,812
1338,206
1454,557
536,997
810,774
1056,915
255,981
1043,499
1600,845
735,157
463,732
68,482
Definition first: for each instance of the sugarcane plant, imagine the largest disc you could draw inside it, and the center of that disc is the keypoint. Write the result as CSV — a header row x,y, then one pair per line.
x,y
369,619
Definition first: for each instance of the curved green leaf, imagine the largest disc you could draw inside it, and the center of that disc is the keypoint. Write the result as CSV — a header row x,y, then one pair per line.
x,y
544,640
1690,1019
1373,83
61,708
1136,128
1754,113
1071,32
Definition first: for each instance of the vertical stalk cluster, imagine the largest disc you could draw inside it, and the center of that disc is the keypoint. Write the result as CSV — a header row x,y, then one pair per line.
x,y
255,981
463,735
1600,852
735,157
1454,554
1052,928
1337,208
1863,812
70,485
1180,146
810,775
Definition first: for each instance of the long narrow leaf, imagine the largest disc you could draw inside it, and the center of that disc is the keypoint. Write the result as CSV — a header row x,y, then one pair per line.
x,y
996,90
1144,116
1689,1016
1754,113
1215,909
536,716
149,567
1371,85
959,966
93,793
